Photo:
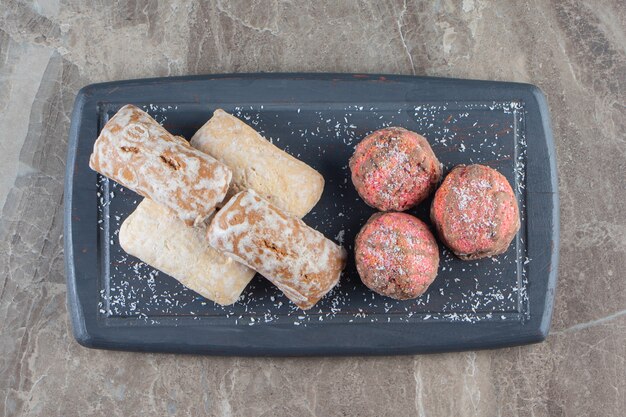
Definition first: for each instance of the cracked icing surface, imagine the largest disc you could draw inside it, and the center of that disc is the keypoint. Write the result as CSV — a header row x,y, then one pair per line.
x,y
137,152
572,50
296,258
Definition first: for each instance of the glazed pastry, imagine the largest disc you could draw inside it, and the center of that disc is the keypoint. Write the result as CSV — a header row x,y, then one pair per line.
x,y
299,260
396,255
394,169
156,236
137,152
475,212
278,177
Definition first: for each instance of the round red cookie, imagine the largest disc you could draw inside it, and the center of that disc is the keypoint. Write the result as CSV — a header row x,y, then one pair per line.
x,y
394,169
396,255
475,212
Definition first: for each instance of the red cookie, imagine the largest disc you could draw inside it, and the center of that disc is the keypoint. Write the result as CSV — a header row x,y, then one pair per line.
x,y
396,255
475,212
394,169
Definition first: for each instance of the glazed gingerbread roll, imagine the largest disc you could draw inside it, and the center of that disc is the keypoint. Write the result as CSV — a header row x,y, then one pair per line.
x,y
137,152
299,260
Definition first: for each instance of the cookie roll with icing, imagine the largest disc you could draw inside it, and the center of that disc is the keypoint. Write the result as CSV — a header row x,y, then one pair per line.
x,y
137,152
299,260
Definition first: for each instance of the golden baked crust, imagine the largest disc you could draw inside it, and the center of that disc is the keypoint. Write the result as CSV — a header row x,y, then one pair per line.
x,y
156,236
285,181
137,152
299,260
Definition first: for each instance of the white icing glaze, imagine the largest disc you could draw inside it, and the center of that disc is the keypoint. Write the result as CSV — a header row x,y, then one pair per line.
x,y
134,150
299,260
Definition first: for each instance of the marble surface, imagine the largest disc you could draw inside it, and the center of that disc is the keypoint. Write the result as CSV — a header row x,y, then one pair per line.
x,y
574,50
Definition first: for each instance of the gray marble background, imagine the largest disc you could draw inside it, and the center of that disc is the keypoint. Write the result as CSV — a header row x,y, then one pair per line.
x,y
574,50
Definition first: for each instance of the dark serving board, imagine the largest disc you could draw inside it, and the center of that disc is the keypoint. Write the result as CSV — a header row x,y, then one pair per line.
x,y
117,302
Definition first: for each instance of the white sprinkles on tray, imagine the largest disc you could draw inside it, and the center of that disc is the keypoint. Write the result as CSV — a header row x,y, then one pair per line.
x,y
458,133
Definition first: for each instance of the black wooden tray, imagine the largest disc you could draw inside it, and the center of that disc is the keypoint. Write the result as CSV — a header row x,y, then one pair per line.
x,y
116,302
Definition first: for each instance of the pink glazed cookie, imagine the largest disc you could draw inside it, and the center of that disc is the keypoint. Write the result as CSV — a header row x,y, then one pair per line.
x,y
475,212
396,255
393,169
